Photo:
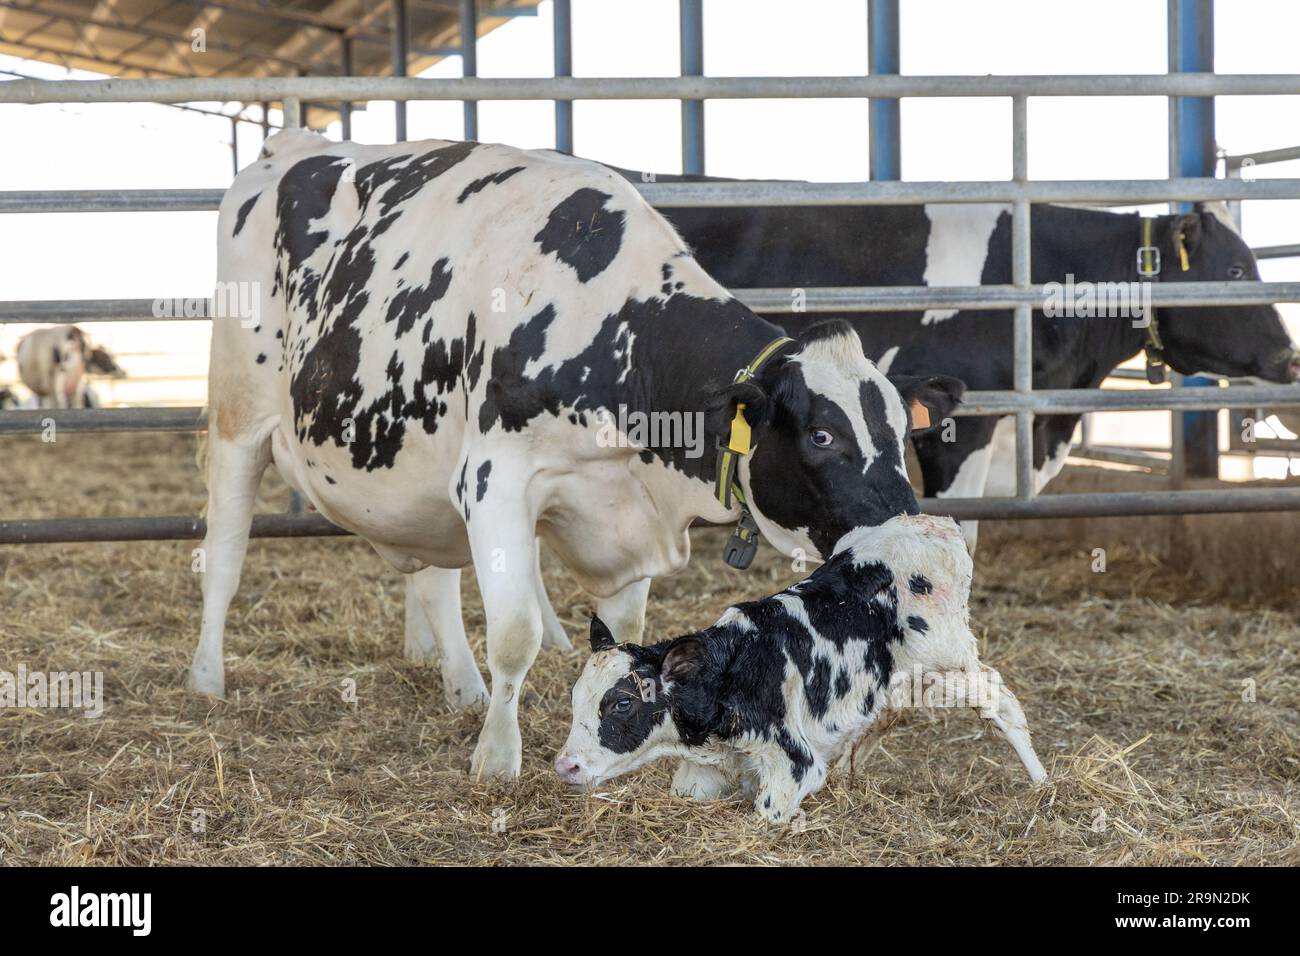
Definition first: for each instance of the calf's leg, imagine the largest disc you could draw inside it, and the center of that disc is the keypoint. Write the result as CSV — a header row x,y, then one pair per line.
x,y
437,591
1003,711
234,472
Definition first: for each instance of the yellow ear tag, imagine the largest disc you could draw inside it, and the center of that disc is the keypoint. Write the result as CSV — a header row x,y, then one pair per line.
x,y
920,415
1182,253
739,440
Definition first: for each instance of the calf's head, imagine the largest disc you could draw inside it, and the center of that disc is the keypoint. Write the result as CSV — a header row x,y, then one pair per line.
x,y
829,432
100,361
623,706
1227,339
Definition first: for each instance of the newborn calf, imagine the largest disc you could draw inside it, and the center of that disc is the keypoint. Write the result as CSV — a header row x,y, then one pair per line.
x,y
778,690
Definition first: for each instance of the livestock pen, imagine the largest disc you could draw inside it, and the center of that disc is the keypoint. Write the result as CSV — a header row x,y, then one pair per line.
x,y
1165,712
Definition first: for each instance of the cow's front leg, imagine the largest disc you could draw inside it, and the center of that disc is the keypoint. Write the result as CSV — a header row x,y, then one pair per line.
x,y
502,540
782,785
437,591
624,612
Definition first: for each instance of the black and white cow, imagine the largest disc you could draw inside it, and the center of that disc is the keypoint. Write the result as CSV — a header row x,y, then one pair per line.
x,y
778,691
438,332
54,364
966,245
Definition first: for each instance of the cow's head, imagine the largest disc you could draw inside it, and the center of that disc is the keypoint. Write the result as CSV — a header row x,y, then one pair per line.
x,y
829,432
1227,339
622,706
100,361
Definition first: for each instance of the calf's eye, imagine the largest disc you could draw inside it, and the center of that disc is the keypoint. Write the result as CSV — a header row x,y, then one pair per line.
x,y
822,438
1236,272
624,706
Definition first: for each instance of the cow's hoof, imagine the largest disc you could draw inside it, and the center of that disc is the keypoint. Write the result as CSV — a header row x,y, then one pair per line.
x,y
420,655
466,695
203,681
697,782
491,761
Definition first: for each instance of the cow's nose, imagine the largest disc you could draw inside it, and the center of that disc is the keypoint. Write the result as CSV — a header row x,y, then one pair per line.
x,y
568,767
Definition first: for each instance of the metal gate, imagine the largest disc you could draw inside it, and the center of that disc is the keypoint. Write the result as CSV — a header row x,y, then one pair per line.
x,y
1022,296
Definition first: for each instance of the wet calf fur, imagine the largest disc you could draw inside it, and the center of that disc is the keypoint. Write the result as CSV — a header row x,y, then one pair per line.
x,y
780,689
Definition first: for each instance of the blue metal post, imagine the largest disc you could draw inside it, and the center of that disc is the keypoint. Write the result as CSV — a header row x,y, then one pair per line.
x,y
563,30
1194,154
882,57
692,36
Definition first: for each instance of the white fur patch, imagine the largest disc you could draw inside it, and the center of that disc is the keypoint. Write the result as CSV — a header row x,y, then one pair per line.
x,y
957,248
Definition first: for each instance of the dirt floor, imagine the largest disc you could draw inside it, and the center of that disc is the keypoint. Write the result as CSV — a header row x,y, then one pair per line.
x,y
1139,694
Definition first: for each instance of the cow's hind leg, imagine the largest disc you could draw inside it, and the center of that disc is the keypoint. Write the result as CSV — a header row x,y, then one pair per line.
x,y
999,706
234,472
553,633
420,646
504,546
624,612
437,591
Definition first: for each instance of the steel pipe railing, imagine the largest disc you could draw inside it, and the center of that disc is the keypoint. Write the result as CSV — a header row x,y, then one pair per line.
x,y
689,195
1116,504
1062,401
766,301
879,86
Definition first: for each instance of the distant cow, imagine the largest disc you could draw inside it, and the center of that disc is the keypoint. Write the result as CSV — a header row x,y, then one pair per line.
x,y
54,362
441,333
778,691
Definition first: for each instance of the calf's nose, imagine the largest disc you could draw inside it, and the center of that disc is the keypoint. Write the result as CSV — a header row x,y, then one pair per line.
x,y
568,767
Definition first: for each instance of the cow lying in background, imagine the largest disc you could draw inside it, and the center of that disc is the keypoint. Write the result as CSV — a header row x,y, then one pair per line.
x,y
779,690
54,362
441,330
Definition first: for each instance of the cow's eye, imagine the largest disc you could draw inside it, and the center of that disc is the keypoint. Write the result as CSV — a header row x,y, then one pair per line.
x,y
1236,272
624,706
821,438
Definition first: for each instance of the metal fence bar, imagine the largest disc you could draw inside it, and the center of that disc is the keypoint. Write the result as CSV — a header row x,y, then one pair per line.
x,y
1289,251
1023,325
770,302
687,195
1117,504
1063,401
161,528
691,20
563,39
356,88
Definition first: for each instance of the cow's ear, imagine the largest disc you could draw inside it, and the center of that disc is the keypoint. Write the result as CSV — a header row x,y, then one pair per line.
x,y
928,398
601,638
1189,230
722,406
682,659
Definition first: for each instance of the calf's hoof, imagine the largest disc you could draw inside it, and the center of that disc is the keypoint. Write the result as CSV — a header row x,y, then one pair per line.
x,y
417,654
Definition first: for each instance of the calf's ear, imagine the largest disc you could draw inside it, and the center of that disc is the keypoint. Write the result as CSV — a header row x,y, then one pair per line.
x,y
929,398
600,636
682,659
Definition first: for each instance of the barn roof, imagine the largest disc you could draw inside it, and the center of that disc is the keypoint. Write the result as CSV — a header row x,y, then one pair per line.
x,y
157,38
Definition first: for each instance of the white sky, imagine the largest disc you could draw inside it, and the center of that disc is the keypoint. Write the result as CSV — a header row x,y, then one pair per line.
x,y
145,255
